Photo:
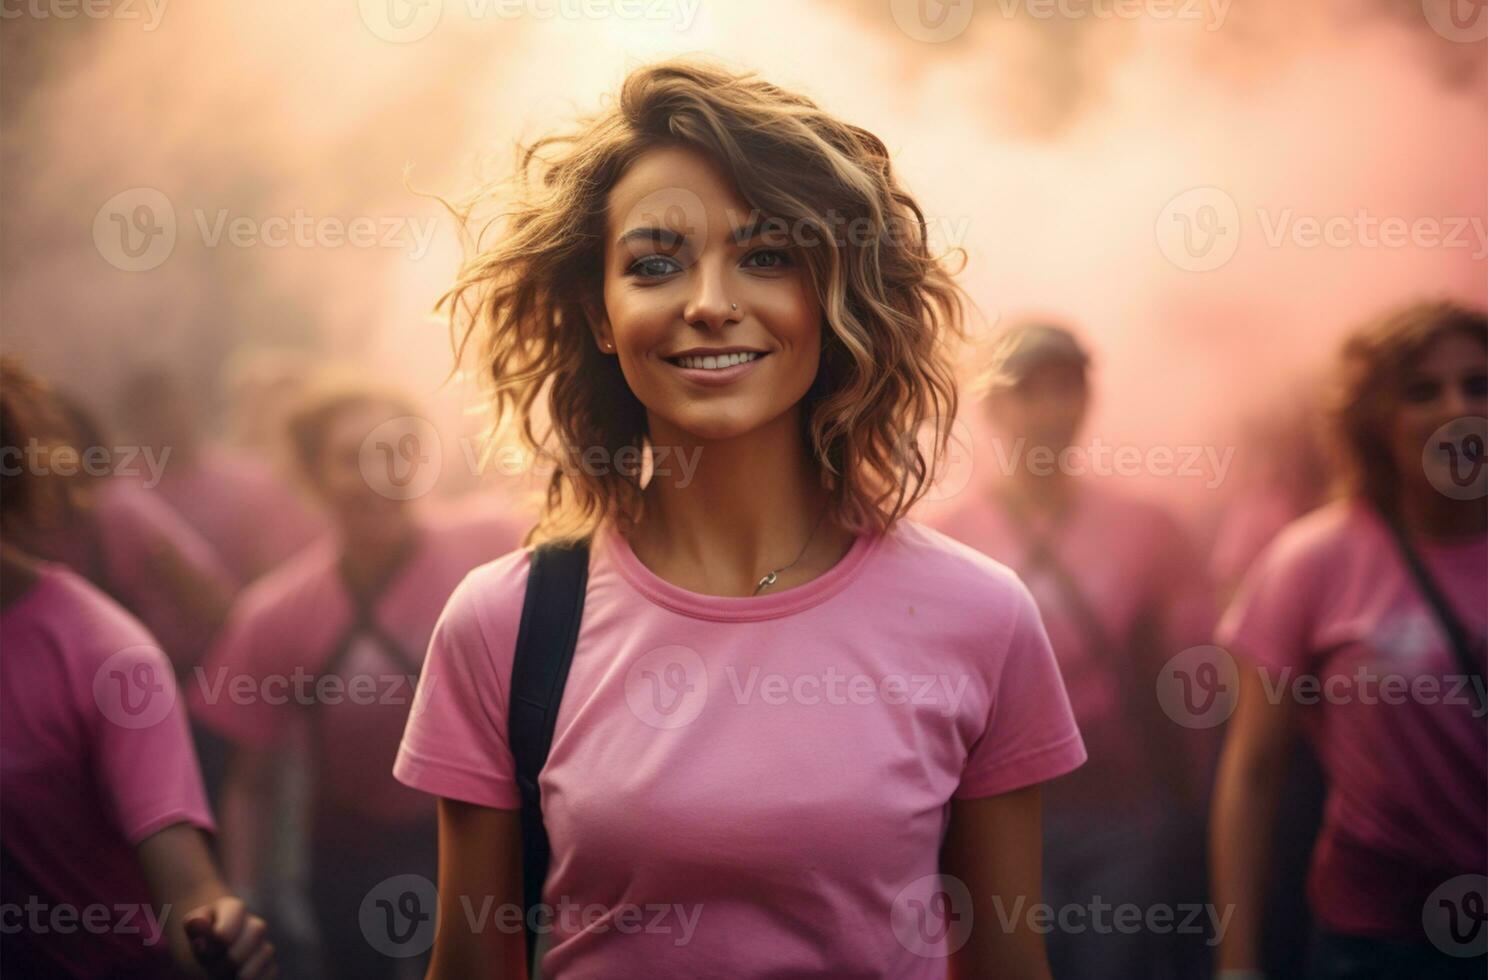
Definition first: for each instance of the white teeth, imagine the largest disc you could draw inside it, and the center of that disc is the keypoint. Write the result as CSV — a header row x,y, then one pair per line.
x,y
713,362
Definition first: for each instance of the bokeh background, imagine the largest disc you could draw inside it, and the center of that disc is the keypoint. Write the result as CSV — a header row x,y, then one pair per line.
x,y
1210,192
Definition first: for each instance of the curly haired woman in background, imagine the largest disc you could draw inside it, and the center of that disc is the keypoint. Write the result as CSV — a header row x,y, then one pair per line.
x,y
1376,600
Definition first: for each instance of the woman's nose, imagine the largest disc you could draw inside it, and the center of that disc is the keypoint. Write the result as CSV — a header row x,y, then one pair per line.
x,y
710,304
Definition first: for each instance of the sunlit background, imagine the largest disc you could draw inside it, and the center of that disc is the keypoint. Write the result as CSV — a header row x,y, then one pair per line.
x,y
1211,193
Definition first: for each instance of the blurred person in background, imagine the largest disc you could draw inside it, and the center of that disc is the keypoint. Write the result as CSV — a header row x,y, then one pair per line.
x,y
352,613
237,502
107,526
1121,589
1386,582
104,864
105,523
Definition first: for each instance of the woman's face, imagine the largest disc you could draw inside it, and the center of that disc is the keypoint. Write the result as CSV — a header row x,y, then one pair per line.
x,y
1045,408
354,480
691,286
1447,386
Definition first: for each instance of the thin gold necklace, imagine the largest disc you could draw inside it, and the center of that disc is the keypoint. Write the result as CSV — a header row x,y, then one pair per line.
x,y
770,578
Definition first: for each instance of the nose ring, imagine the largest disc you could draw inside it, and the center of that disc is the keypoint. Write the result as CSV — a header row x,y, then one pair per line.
x,y
734,307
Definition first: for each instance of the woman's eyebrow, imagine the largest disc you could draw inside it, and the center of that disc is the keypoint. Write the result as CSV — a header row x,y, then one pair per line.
x,y
664,237
761,227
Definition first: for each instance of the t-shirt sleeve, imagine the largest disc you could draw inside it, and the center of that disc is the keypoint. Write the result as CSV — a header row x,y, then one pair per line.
x,y
144,761
1031,735
1269,620
455,742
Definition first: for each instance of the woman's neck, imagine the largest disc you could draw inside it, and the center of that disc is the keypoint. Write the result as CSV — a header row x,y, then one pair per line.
x,y
368,560
18,573
1430,514
1036,498
726,512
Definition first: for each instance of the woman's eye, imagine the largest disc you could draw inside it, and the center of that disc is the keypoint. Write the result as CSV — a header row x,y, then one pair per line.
x,y
1475,386
654,266
768,258
1421,391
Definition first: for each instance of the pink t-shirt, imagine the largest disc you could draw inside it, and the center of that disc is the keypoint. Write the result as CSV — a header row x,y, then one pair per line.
x,y
762,782
259,681
95,757
1407,805
114,545
1143,580
252,519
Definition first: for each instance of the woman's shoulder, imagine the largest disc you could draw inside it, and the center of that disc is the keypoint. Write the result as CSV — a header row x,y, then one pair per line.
x,y
489,597
85,625
295,586
915,553
1324,533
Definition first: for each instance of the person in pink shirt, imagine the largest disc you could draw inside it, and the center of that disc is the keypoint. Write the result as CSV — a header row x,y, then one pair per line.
x,y
326,649
124,539
1362,627
1121,589
802,735
252,520
104,866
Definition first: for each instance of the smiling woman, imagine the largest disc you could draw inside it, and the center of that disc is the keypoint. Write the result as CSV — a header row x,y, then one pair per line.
x,y
673,277
717,202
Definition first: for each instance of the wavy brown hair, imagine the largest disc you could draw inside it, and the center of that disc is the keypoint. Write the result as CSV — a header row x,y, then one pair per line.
x,y
1371,371
890,307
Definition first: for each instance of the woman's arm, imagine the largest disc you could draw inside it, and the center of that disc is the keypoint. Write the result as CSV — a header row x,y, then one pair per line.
x,y
994,846
1252,770
249,790
211,932
480,857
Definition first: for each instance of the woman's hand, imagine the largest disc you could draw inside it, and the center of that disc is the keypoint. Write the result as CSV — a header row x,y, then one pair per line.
x,y
218,937
231,942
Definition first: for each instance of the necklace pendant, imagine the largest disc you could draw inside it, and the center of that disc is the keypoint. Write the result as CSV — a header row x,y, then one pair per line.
x,y
765,582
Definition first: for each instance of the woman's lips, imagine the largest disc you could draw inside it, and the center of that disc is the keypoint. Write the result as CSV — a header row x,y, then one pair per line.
x,y
717,376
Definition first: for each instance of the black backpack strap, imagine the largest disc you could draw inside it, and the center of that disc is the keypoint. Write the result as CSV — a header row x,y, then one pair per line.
x,y
363,621
1464,648
546,636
